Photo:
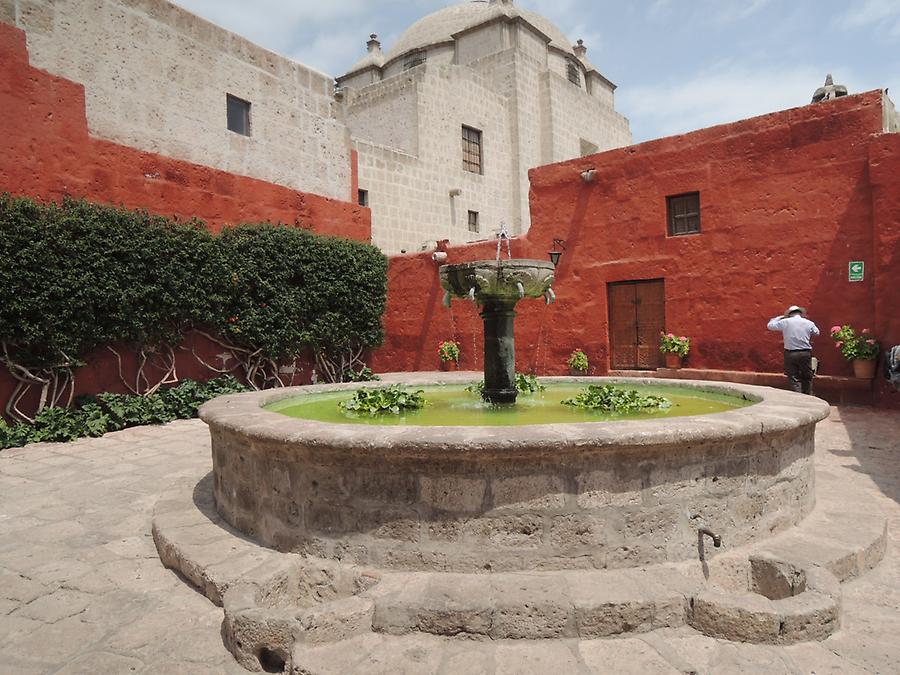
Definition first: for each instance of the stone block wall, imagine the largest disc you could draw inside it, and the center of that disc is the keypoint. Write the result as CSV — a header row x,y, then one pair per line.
x,y
469,499
155,78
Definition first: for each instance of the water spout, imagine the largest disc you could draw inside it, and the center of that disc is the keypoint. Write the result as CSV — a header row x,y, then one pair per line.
x,y
717,539
472,294
521,289
550,296
503,235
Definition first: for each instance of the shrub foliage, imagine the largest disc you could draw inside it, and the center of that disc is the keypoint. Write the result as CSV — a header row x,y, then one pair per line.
x,y
78,276
95,416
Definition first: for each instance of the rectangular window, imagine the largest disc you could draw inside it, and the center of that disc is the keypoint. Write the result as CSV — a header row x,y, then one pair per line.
x,y
471,147
684,214
473,222
238,114
362,197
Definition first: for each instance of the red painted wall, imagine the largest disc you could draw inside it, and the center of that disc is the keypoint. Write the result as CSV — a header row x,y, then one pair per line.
x,y
47,153
787,200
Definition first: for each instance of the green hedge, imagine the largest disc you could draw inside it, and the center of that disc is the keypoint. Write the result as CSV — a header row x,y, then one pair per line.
x,y
77,276
95,416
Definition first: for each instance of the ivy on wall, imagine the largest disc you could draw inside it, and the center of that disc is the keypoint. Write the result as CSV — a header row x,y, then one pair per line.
x,y
78,276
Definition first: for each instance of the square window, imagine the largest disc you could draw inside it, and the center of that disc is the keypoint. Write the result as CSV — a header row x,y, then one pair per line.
x,y
238,114
362,197
474,225
471,147
684,214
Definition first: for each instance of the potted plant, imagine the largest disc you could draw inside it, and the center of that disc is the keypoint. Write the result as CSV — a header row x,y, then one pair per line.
x,y
578,363
674,347
448,350
861,349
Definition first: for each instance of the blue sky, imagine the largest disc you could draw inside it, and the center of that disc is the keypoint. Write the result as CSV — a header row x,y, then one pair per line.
x,y
680,64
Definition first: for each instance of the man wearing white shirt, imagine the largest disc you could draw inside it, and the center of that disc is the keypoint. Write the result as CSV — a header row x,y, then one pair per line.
x,y
797,331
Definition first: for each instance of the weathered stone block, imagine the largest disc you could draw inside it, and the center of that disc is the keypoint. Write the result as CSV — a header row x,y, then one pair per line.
x,y
743,618
452,493
506,532
531,607
577,533
523,493
597,489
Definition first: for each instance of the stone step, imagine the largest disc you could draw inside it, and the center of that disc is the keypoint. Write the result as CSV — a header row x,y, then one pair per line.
x,y
539,605
379,654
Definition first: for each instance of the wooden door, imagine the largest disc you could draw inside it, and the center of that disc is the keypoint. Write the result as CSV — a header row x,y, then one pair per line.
x,y
637,314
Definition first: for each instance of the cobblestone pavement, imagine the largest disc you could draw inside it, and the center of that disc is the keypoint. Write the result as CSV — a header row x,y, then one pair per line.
x,y
82,590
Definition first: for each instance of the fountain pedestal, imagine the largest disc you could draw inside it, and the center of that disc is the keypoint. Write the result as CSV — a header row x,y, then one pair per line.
x,y
497,285
499,351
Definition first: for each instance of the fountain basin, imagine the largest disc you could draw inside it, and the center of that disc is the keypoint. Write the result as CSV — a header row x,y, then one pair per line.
x,y
558,496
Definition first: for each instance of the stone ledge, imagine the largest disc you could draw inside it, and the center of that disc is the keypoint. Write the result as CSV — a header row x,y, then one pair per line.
x,y
833,388
775,411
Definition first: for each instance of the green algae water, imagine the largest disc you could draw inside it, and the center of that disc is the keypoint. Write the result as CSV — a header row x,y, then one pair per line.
x,y
453,406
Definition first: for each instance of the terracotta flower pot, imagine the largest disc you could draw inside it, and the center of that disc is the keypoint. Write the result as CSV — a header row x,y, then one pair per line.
x,y
449,365
574,372
673,360
864,368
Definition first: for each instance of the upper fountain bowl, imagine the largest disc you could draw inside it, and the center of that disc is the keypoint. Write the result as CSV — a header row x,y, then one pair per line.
x,y
512,279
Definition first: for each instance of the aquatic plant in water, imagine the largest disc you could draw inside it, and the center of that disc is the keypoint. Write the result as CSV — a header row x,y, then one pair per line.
x,y
376,401
615,399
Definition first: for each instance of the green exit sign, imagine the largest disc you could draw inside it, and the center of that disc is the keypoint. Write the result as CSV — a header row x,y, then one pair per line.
x,y
856,271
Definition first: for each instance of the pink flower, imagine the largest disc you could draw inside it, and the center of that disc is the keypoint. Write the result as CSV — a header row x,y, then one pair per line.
x,y
865,331
839,344
870,342
671,335
835,329
682,338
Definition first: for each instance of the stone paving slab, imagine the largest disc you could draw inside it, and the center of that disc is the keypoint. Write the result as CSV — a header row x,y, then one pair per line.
x,y
68,523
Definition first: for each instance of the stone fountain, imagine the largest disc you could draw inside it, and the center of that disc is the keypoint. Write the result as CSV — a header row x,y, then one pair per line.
x,y
384,544
497,285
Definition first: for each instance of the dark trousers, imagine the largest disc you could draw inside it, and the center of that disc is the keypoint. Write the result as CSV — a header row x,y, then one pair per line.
x,y
798,368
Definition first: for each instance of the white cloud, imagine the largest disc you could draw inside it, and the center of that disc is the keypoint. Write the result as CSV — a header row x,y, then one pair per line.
x,y
705,12
724,93
884,13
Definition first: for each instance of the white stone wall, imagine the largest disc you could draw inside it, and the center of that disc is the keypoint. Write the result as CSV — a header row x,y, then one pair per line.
x,y
891,116
410,194
156,76
440,55
485,41
386,113
506,83
575,115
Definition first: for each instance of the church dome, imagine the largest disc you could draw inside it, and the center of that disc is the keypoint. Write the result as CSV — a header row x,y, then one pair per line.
x,y
442,25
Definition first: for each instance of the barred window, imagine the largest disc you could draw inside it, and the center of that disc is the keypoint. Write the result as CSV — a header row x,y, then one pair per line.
x,y
471,147
574,73
684,214
415,58
362,197
474,226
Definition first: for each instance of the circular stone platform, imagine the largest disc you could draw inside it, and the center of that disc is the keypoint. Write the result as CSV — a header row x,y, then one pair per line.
x,y
540,497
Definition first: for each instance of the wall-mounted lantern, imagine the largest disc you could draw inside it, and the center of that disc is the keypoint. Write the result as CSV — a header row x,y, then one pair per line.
x,y
555,252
